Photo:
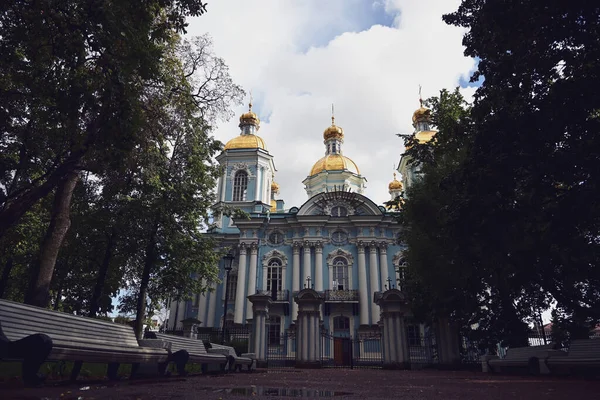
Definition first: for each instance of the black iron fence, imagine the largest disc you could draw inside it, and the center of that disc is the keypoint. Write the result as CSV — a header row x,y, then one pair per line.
x,y
281,295
281,351
364,350
422,348
341,295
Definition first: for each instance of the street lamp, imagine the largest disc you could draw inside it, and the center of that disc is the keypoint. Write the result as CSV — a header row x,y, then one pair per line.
x,y
227,259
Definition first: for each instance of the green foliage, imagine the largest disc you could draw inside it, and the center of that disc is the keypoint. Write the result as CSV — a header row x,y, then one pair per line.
x,y
505,220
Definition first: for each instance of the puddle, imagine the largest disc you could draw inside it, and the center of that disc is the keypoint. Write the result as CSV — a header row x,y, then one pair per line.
x,y
283,392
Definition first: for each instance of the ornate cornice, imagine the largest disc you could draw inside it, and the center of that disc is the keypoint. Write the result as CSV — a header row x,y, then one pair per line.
x,y
274,254
340,253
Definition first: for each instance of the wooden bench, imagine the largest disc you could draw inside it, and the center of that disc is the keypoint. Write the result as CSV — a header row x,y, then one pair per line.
x,y
519,357
247,359
196,350
81,339
583,356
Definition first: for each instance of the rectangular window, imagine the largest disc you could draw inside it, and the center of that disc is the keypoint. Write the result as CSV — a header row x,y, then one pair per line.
x,y
340,277
274,330
274,281
231,287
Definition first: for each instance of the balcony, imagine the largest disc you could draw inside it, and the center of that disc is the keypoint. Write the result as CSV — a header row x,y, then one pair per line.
x,y
341,296
282,296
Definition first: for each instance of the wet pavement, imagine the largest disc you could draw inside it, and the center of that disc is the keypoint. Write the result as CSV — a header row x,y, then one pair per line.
x,y
326,383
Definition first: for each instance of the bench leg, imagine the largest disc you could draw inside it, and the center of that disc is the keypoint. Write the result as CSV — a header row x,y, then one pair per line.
x,y
180,358
33,350
76,370
112,370
134,368
162,368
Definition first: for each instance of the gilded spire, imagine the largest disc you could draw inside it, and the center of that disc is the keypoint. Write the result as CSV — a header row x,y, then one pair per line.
x,y
332,115
420,96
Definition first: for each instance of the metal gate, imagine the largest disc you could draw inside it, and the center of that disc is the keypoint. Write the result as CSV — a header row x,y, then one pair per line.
x,y
281,350
422,348
361,351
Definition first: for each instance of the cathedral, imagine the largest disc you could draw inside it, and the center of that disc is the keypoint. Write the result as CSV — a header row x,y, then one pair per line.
x,y
339,242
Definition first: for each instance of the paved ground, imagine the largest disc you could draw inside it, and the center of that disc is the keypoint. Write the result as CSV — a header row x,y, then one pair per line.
x,y
327,383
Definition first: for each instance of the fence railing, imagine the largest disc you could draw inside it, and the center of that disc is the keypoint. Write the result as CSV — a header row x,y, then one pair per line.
x,y
341,295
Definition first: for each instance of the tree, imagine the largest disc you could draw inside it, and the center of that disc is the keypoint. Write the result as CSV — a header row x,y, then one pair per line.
x,y
73,75
531,180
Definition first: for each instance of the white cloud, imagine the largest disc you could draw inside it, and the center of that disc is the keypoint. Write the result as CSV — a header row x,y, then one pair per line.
x,y
300,56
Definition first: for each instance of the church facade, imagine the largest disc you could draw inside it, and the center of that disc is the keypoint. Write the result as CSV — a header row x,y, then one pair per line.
x,y
339,242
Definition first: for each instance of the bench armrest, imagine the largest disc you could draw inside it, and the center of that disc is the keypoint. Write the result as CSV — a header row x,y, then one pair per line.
x,y
155,343
224,352
555,353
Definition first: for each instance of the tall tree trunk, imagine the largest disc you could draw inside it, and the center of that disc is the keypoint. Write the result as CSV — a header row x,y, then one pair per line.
x,y
38,293
148,264
5,276
102,272
15,207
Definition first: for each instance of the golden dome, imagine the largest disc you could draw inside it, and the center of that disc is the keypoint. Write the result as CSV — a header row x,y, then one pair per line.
x,y
333,131
421,114
334,162
246,142
424,136
249,118
274,187
395,184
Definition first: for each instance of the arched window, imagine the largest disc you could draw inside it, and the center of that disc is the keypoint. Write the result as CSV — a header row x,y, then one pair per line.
x,y
401,273
240,185
274,281
340,274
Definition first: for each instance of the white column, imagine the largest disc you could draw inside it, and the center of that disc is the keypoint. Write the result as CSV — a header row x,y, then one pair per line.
x,y
224,184
202,306
362,285
240,295
295,278
259,174
212,306
374,269
265,189
383,264
306,267
318,267
251,279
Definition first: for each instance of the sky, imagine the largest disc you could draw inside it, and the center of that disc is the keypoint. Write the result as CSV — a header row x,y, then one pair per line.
x,y
368,58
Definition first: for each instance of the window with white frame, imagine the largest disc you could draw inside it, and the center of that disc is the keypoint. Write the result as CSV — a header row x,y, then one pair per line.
x,y
274,330
240,186
341,323
274,276
231,287
401,273
340,273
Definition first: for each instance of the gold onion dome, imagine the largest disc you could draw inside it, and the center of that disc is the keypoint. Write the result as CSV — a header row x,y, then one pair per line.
x,y
395,184
246,142
274,187
333,131
421,114
334,162
249,118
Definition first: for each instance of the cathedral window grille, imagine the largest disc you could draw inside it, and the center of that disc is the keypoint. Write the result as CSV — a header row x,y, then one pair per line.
x,y
339,237
240,186
274,330
340,274
274,281
339,211
276,238
231,287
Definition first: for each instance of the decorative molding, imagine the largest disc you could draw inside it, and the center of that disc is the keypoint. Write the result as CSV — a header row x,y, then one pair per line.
x,y
241,166
339,203
340,253
397,257
274,254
